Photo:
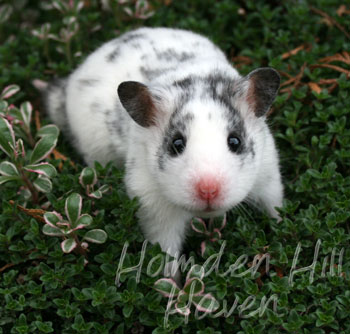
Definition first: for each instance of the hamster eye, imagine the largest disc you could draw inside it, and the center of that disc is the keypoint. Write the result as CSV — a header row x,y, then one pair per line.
x,y
178,145
233,143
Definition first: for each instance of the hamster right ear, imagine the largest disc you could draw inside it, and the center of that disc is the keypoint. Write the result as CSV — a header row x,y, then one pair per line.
x,y
138,101
262,89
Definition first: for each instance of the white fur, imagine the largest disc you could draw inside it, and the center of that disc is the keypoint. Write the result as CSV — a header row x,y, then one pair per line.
x,y
168,199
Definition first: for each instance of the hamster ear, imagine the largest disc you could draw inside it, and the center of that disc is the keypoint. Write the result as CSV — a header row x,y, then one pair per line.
x,y
138,102
262,90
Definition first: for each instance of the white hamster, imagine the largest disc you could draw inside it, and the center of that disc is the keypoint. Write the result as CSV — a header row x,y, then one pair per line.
x,y
190,131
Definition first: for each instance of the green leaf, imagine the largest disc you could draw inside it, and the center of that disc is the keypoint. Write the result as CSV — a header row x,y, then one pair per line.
x,y
73,207
48,130
12,89
196,271
52,231
127,310
199,226
52,218
43,168
43,184
194,284
4,179
83,221
68,245
97,236
8,169
43,148
206,303
44,327
88,177
166,286
26,113
7,137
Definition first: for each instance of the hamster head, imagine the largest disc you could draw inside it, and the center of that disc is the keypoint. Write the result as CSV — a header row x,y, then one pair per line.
x,y
203,136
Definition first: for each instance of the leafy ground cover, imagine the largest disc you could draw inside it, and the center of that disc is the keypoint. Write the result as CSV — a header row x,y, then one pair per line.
x,y
65,266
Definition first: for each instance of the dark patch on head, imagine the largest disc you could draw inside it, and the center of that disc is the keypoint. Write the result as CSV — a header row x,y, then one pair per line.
x,y
87,82
178,124
171,55
251,148
145,56
184,83
114,122
209,116
131,36
137,101
113,55
136,45
151,74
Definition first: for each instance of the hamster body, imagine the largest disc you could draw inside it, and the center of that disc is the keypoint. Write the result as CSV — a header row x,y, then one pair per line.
x,y
190,131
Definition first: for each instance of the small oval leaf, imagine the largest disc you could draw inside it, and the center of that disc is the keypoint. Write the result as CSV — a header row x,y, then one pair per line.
x,y
52,231
43,184
73,207
7,137
43,168
8,169
26,113
43,148
165,286
9,91
83,221
88,177
97,236
68,245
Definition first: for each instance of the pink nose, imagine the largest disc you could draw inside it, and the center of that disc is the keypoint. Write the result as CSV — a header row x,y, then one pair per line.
x,y
208,189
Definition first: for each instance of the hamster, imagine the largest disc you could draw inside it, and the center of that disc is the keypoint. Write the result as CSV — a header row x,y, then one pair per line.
x,y
190,131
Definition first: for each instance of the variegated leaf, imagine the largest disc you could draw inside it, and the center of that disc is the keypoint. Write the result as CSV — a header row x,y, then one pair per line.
x,y
52,218
9,91
26,113
43,184
195,271
52,231
206,303
68,245
4,179
73,207
43,168
167,287
88,177
194,286
43,148
8,169
7,137
83,221
96,236
199,226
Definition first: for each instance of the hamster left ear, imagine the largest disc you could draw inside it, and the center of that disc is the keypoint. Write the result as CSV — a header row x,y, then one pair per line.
x,y
262,90
138,102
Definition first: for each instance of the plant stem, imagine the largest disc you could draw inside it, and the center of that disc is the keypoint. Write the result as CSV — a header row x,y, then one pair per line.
x,y
30,186
80,250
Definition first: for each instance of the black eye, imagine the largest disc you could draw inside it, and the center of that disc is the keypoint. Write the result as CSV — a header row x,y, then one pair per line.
x,y
178,145
233,143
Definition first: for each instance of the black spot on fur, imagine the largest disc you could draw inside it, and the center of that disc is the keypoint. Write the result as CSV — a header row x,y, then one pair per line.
x,y
184,83
172,55
113,55
131,36
114,122
151,74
